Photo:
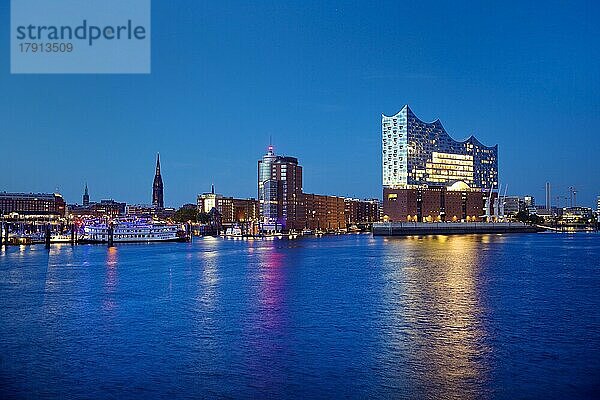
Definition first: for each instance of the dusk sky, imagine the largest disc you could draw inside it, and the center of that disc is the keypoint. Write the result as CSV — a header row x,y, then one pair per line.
x,y
316,77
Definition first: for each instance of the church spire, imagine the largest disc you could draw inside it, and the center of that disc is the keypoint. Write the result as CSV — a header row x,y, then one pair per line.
x,y
86,196
157,186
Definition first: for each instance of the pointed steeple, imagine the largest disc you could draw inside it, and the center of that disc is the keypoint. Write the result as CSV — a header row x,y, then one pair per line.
x,y
86,196
158,164
157,186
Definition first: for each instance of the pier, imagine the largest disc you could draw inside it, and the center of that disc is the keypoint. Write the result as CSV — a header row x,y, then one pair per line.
x,y
451,228
37,232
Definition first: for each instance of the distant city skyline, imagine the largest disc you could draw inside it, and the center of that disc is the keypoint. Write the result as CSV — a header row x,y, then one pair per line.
x,y
566,199
517,75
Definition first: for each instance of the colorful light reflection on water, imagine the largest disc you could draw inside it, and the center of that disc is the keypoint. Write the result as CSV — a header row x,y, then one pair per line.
x,y
347,316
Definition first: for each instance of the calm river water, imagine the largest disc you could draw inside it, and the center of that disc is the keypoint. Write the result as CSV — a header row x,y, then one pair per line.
x,y
491,316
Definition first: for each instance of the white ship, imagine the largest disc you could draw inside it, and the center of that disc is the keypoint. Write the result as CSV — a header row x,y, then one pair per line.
x,y
132,230
235,231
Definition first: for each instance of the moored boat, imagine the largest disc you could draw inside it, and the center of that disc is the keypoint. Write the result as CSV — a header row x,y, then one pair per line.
x,y
132,230
235,231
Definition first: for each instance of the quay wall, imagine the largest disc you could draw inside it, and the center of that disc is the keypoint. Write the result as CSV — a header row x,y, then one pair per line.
x,y
450,228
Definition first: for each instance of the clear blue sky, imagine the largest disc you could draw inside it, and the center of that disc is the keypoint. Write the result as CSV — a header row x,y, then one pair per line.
x,y
316,76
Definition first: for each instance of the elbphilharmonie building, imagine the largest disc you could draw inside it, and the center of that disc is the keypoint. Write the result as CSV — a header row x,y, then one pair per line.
x,y
417,154
430,177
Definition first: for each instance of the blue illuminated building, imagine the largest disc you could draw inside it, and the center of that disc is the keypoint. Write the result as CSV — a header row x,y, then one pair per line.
x,y
417,154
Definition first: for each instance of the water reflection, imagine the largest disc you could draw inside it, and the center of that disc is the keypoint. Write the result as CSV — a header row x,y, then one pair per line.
x,y
266,329
209,279
436,338
347,316
110,280
270,287
208,313
55,281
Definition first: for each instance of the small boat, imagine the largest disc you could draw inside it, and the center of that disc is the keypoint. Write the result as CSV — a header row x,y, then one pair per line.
x,y
21,239
234,231
60,238
272,235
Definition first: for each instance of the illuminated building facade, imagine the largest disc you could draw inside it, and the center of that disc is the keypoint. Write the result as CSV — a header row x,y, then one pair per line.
x,y
456,203
576,214
283,206
361,211
140,210
529,203
207,201
419,154
105,208
231,210
108,208
279,192
147,210
32,204
321,212
429,177
513,204
240,210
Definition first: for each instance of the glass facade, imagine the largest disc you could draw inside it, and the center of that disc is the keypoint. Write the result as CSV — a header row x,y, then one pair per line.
x,y
267,189
279,190
422,154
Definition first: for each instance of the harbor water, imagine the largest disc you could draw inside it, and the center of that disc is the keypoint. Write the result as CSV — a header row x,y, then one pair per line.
x,y
354,316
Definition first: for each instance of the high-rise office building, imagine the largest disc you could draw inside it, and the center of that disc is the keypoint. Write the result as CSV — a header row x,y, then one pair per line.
x,y
267,190
279,192
157,187
418,154
283,205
